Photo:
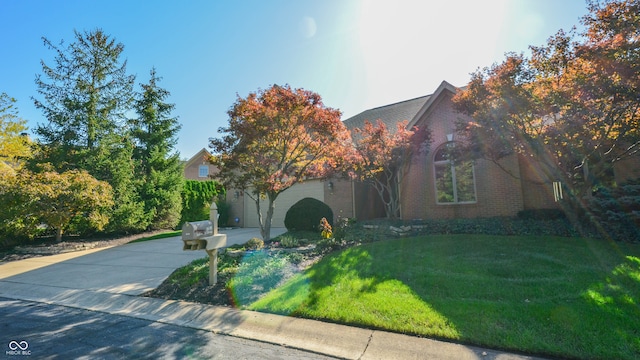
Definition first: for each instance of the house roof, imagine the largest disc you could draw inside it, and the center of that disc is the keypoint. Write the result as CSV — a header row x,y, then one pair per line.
x,y
389,114
199,157
410,110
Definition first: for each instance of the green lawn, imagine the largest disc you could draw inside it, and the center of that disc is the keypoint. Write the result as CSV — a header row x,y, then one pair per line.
x,y
565,297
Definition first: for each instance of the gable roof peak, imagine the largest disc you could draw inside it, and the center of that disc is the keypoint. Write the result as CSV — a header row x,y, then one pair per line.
x,y
391,114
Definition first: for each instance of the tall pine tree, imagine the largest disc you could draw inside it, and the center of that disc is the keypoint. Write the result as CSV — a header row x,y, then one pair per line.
x,y
158,166
85,97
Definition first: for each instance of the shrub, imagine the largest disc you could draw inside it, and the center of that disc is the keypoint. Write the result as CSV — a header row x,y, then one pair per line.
x,y
224,208
343,227
306,215
254,244
542,214
484,226
289,241
196,199
615,212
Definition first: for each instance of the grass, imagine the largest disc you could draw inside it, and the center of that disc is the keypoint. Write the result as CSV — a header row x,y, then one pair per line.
x,y
160,236
194,272
256,275
565,297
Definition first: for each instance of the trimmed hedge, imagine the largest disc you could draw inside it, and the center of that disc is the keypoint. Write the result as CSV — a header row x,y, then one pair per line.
x,y
542,214
306,215
486,226
196,200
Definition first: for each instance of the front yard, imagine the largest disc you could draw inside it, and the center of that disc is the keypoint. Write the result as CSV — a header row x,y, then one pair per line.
x,y
554,296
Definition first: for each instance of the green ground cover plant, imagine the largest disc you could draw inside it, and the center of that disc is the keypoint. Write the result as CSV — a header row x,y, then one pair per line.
x,y
160,236
553,296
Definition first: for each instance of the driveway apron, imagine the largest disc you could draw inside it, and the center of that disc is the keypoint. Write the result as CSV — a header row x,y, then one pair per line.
x,y
130,269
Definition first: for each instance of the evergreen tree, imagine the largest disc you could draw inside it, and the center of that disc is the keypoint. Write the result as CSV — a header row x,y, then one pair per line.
x,y
158,166
85,97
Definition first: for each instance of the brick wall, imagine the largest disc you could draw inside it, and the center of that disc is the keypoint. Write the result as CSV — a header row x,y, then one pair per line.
x,y
536,189
191,170
339,198
497,193
627,169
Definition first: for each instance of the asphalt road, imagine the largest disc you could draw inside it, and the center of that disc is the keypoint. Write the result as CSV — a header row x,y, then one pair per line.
x,y
30,330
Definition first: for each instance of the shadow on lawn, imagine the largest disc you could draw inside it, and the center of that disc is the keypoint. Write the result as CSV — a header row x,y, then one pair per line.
x,y
356,262
593,313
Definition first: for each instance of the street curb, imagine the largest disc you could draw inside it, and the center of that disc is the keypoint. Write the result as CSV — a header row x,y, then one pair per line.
x,y
340,341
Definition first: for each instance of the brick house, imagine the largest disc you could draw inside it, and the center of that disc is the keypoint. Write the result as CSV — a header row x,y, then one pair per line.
x,y
432,187
198,166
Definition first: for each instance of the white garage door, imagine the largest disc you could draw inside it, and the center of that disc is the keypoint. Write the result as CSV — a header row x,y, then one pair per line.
x,y
313,189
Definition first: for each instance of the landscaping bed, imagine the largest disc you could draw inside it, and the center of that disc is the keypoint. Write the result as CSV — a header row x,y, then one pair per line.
x,y
244,273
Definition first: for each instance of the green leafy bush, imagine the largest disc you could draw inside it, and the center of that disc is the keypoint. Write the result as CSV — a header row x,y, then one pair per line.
x,y
224,208
342,227
542,214
480,226
288,241
306,215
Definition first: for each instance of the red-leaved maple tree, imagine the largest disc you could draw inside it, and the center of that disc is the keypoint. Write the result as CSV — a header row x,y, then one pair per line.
x,y
276,138
573,106
381,155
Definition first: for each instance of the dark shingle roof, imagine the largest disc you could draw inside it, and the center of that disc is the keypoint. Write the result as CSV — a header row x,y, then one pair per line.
x,y
389,114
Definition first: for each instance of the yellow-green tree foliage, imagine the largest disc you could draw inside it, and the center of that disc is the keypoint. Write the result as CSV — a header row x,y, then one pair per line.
x,y
56,200
13,145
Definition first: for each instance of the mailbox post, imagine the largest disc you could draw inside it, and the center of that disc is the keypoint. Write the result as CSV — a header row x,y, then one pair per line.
x,y
203,235
213,253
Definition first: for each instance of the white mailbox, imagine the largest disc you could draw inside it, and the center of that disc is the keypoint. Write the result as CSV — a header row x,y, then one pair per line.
x,y
203,235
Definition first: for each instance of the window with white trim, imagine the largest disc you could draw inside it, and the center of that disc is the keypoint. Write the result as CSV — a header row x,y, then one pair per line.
x,y
203,171
454,180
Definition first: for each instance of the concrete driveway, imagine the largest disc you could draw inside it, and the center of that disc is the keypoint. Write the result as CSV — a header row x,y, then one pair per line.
x,y
130,269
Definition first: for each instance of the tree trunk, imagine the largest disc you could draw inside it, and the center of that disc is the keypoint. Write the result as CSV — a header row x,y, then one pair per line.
x,y
59,234
260,220
265,222
266,232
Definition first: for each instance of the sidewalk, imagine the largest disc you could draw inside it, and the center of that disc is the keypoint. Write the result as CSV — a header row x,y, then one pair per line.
x,y
74,280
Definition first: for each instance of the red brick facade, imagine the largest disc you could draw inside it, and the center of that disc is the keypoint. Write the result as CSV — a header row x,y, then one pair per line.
x,y
497,192
501,189
338,194
193,165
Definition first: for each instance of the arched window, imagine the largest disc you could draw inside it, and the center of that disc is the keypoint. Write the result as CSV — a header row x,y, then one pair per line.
x,y
455,180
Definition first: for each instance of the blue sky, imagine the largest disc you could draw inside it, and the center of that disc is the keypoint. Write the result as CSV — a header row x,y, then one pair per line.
x,y
357,54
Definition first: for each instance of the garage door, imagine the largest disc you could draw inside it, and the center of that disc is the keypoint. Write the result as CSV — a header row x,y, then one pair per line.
x,y
313,189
